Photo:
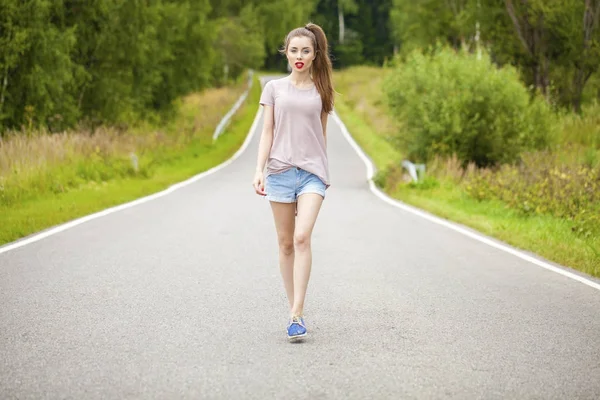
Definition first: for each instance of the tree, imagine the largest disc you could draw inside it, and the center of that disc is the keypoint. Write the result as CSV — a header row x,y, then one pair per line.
x,y
269,20
530,23
185,50
348,7
554,43
36,71
420,24
560,43
589,59
240,42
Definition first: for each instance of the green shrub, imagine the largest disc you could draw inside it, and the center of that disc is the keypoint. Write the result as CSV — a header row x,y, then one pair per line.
x,y
453,103
543,184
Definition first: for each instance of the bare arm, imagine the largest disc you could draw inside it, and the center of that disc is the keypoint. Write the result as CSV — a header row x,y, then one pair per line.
x,y
266,139
264,148
324,123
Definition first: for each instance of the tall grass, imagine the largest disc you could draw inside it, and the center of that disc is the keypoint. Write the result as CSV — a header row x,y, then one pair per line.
x,y
582,129
34,164
359,89
169,155
580,136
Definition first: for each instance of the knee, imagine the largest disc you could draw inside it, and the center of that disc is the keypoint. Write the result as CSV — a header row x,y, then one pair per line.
x,y
286,246
301,241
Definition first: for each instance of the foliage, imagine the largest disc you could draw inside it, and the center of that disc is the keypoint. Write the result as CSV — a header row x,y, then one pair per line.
x,y
40,163
422,23
40,210
239,44
444,190
545,184
103,61
582,129
36,71
64,62
455,103
554,43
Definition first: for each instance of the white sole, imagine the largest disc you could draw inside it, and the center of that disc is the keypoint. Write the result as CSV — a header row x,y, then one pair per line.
x,y
296,337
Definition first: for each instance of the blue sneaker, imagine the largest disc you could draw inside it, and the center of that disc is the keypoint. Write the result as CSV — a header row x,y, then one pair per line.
x,y
296,328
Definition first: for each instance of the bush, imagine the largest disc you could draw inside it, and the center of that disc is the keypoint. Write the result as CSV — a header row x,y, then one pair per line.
x,y
544,184
453,103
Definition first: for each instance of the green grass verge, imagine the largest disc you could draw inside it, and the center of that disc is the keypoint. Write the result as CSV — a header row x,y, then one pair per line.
x,y
378,149
547,236
34,215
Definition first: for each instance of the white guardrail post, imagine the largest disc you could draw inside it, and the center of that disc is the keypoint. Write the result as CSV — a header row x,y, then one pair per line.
x,y
414,170
227,118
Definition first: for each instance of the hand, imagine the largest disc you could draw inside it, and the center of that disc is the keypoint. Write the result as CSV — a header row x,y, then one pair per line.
x,y
259,184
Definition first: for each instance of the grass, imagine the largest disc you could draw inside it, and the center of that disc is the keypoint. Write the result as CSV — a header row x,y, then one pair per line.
x,y
363,110
545,235
182,150
34,164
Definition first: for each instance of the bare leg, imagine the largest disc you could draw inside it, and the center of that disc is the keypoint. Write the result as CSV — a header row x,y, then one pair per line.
x,y
309,205
283,213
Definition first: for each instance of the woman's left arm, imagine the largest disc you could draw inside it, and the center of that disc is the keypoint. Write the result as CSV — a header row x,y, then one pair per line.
x,y
324,123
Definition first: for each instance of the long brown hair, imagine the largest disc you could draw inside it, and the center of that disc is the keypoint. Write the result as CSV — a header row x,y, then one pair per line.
x,y
321,67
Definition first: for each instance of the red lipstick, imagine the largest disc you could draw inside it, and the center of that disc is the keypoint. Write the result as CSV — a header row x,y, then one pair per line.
x,y
299,65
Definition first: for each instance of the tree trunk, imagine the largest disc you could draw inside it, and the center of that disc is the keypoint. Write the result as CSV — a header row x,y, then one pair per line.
x,y
4,86
533,38
591,17
517,24
579,82
341,22
578,89
80,100
545,78
477,37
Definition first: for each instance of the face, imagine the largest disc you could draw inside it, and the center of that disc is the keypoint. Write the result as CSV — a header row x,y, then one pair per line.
x,y
300,53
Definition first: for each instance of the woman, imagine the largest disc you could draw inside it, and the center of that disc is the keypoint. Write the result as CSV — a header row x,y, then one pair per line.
x,y
293,147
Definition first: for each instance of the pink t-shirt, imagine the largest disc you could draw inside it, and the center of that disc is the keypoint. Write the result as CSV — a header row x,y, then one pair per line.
x,y
298,139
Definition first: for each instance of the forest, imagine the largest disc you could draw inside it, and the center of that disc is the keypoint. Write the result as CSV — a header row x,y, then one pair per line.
x,y
67,62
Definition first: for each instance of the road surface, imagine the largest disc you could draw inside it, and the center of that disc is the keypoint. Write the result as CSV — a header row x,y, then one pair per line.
x,y
180,298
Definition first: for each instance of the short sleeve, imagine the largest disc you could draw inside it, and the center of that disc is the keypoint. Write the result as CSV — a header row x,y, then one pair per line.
x,y
267,98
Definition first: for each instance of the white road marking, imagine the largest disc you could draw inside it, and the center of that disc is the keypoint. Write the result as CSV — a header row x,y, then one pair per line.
x,y
443,222
142,200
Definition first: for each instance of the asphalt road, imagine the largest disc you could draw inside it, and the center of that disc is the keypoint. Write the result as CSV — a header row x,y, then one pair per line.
x,y
180,297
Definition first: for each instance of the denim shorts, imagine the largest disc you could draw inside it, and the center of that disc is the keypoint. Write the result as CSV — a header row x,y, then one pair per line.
x,y
285,187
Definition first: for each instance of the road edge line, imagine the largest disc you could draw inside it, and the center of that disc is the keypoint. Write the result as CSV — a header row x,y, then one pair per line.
x,y
448,224
67,225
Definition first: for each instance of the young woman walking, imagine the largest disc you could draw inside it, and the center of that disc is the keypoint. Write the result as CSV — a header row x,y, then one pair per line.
x,y
293,147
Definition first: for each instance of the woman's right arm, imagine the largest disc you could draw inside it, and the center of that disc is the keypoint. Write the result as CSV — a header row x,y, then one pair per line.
x,y
264,148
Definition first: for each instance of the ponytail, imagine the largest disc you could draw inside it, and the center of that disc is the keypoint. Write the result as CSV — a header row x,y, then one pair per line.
x,y
322,68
